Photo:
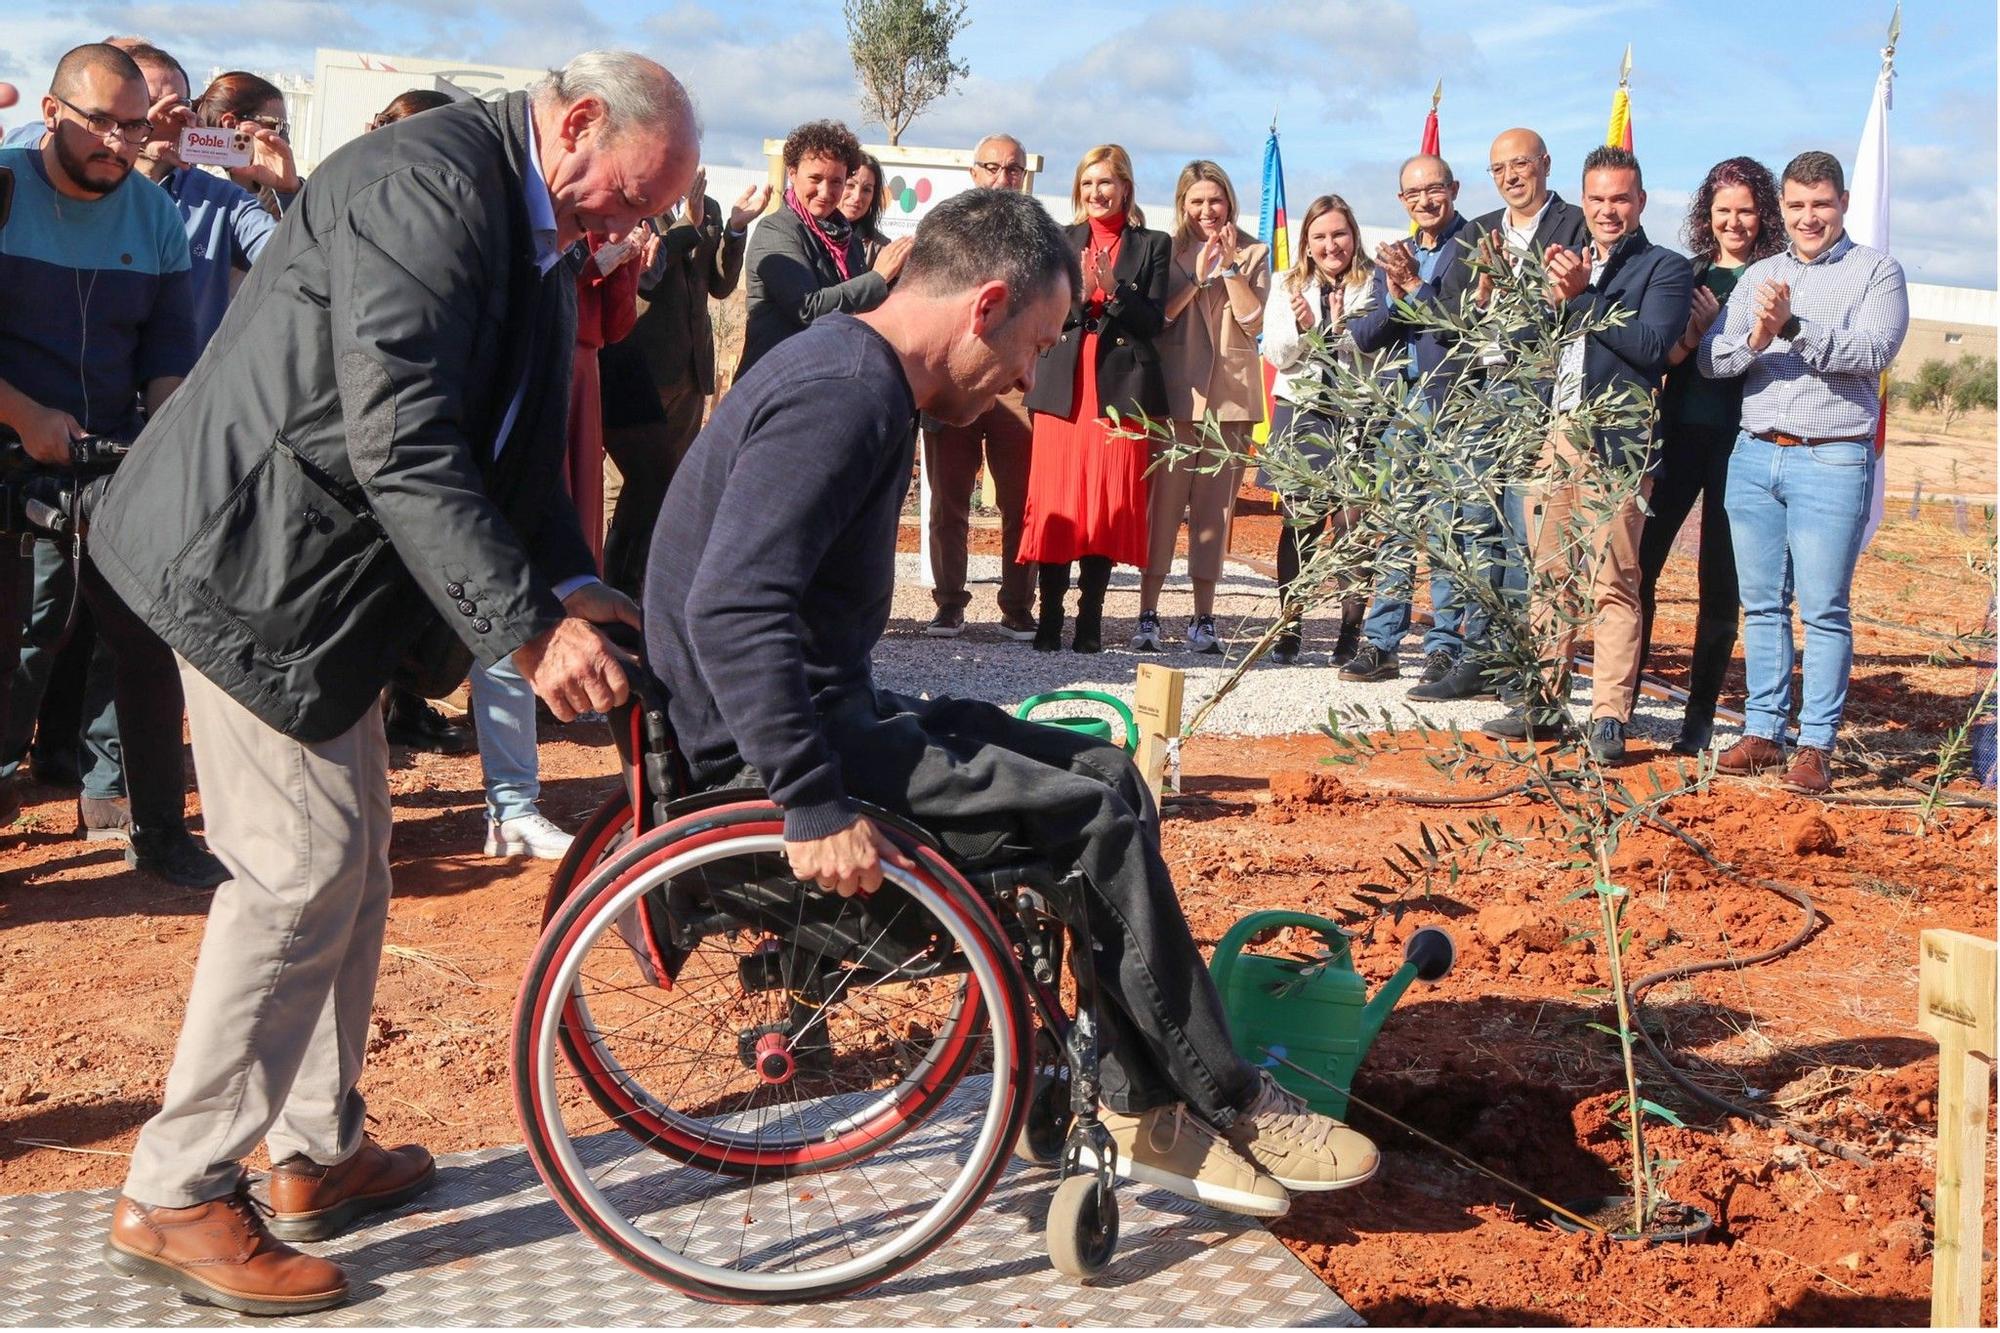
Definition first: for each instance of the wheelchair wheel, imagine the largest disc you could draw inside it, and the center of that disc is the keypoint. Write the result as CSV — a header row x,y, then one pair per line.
x,y
1082,1230
791,1037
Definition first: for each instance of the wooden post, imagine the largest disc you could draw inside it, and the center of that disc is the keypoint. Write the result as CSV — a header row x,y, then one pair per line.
x,y
1917,501
1156,707
1955,1003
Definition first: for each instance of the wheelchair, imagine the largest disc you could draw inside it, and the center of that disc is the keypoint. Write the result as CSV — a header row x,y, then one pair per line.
x,y
847,1078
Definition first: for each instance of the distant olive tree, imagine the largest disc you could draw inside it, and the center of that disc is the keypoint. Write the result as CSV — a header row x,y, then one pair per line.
x,y
1951,389
902,56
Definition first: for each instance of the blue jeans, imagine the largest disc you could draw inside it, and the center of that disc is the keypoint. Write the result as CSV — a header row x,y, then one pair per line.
x,y
504,709
1796,515
1389,613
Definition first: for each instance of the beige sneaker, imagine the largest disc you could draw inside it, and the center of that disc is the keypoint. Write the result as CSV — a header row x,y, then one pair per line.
x,y
1300,1148
1176,1151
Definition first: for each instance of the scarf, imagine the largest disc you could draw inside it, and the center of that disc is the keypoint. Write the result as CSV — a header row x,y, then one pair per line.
x,y
832,235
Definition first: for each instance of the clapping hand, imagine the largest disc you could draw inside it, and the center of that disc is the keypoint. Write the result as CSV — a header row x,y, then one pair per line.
x,y
1096,273
1215,256
697,198
1302,311
1399,267
1568,272
1702,310
750,206
1774,309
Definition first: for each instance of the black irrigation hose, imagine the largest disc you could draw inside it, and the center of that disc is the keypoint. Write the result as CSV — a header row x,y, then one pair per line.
x,y
1809,925
1971,638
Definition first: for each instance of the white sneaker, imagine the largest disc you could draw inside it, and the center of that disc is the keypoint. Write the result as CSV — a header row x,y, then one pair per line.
x,y
1147,639
526,835
1201,635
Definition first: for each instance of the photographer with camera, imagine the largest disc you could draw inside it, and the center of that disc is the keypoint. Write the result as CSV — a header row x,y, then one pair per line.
x,y
98,321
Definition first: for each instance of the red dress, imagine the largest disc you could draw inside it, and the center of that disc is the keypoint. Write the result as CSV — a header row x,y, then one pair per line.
x,y
1087,485
606,308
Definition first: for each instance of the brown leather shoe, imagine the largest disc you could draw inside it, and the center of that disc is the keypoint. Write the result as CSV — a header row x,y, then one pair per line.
x,y
219,1252
1811,773
1751,755
314,1202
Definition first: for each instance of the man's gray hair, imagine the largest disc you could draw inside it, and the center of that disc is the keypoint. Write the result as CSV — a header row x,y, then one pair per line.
x,y
980,236
637,93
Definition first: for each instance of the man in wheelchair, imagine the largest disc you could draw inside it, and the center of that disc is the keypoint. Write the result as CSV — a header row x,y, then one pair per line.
x,y
769,583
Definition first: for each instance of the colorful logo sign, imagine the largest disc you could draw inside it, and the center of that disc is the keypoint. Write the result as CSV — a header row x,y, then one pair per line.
x,y
908,195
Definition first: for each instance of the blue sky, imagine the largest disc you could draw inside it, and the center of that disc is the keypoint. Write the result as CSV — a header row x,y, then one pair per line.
x,y
1349,79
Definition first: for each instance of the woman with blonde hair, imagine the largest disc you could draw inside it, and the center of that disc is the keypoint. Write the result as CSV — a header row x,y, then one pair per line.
x,y
1087,478
1328,286
1215,309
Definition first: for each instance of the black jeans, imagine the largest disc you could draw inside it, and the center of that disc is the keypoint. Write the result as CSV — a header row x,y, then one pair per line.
x,y
961,765
1694,466
146,687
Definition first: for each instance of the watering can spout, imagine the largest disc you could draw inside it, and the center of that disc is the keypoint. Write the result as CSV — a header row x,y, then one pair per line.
x,y
1428,956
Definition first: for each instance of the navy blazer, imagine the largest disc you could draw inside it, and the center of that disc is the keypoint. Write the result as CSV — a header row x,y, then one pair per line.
x,y
1655,287
1383,326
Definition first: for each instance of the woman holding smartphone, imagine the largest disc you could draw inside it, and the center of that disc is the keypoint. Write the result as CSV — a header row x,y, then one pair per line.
x,y
1329,285
1086,502
1732,222
1215,310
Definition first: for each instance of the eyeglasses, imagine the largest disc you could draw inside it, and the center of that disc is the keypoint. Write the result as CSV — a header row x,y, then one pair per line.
x,y
1003,169
1439,191
110,127
281,128
1523,164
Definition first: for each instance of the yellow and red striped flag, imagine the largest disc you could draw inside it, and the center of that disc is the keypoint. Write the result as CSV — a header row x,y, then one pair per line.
x,y
1619,135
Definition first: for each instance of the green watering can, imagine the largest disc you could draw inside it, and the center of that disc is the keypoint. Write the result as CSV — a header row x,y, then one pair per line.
x,y
1094,727
1315,1013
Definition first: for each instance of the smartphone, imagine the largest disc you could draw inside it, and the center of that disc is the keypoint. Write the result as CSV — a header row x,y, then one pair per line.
x,y
207,146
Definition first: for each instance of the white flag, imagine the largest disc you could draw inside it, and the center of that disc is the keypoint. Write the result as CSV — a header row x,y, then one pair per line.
x,y
1868,224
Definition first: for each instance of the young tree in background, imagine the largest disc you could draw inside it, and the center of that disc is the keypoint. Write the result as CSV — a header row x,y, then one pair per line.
x,y
902,56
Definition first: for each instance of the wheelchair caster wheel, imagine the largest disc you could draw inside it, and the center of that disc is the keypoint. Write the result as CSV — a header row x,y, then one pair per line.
x,y
1047,1127
1083,1226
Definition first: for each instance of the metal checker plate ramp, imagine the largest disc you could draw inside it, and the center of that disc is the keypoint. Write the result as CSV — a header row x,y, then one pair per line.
x,y
489,1247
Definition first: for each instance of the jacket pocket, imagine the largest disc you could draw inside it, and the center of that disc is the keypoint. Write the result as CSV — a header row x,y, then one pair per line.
x,y
283,559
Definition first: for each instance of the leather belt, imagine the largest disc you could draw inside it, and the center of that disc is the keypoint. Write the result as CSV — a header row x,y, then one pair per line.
x,y
1784,441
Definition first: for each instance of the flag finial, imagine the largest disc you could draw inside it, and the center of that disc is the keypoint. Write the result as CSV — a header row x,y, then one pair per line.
x,y
1436,94
1895,33
1625,68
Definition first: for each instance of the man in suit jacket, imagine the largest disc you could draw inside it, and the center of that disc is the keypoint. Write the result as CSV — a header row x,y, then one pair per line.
x,y
1532,219
1415,271
699,259
370,448
1652,286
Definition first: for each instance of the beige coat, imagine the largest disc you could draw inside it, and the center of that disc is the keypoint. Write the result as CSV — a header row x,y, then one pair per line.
x,y
1209,355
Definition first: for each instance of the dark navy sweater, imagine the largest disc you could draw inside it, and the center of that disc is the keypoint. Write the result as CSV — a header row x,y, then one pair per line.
x,y
773,563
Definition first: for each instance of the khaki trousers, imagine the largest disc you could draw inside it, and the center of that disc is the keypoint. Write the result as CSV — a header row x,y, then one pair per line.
x,y
1206,501
277,1018
951,458
1563,548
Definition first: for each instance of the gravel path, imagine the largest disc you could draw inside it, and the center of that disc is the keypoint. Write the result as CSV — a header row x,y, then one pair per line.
x,y
1271,700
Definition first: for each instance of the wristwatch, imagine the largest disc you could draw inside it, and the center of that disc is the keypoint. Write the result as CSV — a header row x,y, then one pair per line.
x,y
1789,329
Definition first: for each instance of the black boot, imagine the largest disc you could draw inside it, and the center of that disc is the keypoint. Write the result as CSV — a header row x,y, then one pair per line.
x,y
1714,643
1054,581
1094,578
1352,613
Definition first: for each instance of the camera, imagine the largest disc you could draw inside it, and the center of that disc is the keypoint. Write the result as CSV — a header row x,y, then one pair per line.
x,y
43,501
